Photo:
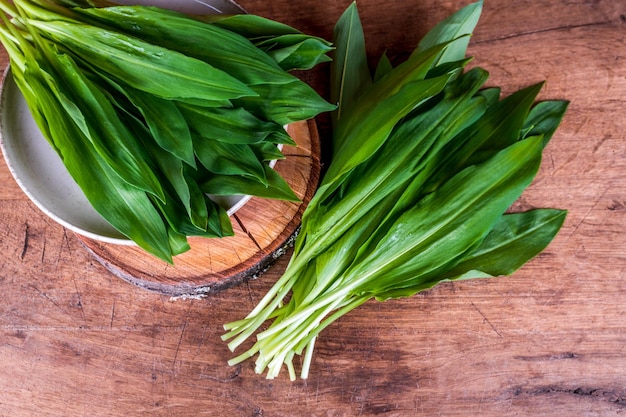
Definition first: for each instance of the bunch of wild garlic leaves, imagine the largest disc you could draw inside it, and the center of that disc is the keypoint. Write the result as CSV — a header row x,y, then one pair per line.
x,y
425,164
151,110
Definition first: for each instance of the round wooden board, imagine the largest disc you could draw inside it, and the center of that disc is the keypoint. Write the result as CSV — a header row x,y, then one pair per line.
x,y
263,230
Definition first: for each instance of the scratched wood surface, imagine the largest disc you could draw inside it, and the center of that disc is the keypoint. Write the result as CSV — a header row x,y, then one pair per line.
x,y
548,341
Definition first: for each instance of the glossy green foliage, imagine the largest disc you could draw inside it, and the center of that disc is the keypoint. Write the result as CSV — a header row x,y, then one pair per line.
x,y
425,165
290,48
259,68
152,110
350,75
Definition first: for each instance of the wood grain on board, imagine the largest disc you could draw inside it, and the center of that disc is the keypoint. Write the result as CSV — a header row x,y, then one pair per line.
x,y
75,340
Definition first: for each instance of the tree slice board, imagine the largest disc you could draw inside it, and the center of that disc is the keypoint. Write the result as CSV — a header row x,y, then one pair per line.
x,y
264,230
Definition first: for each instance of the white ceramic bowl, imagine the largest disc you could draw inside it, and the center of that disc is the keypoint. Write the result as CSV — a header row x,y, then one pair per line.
x,y
39,171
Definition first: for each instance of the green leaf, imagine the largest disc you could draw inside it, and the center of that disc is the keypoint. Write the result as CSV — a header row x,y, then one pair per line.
x,y
94,114
455,28
127,208
277,188
423,136
285,103
491,95
448,223
222,49
234,125
383,68
380,108
178,242
166,123
177,220
296,51
42,10
377,126
181,189
350,74
289,47
514,240
84,3
497,129
144,66
219,224
250,26
544,118
280,137
226,159
267,151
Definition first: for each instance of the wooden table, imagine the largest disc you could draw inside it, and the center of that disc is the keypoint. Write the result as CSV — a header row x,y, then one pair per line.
x,y
548,341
